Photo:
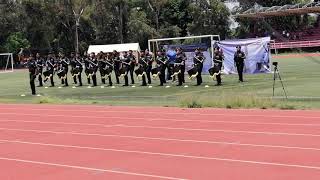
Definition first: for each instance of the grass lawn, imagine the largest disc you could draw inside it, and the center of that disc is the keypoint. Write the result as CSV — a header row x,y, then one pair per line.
x,y
301,76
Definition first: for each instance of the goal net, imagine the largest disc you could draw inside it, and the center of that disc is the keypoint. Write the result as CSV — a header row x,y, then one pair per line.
x,y
6,62
188,45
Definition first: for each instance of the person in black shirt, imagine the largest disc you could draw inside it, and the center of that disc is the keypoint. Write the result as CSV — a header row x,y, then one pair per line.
x,y
78,66
73,67
117,64
198,62
126,62
102,64
217,65
179,62
132,65
183,57
94,65
149,60
64,66
143,65
239,57
50,68
31,64
39,64
110,66
162,65
86,60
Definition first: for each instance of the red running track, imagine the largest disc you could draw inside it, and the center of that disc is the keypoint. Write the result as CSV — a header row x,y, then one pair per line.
x,y
54,142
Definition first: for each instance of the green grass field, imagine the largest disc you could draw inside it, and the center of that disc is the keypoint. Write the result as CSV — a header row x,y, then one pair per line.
x,y
301,77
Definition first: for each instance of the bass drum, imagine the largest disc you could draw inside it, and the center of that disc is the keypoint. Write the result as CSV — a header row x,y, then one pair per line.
x,y
193,73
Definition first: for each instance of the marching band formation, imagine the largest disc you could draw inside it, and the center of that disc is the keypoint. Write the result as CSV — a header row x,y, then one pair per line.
x,y
145,67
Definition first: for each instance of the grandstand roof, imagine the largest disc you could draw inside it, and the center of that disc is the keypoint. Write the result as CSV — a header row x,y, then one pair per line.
x,y
286,10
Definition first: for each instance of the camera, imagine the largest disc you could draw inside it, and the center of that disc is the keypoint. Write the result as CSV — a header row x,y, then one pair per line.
x,y
275,63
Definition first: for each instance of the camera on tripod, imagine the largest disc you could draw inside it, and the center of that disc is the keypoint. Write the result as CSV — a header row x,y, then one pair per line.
x,y
275,63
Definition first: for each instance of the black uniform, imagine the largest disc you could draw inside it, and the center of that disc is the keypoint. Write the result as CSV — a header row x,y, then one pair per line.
x,y
94,65
126,63
217,60
80,69
239,58
110,64
198,62
73,65
144,65
183,58
162,64
87,68
178,63
32,74
50,66
102,66
65,67
40,63
117,64
149,60
132,66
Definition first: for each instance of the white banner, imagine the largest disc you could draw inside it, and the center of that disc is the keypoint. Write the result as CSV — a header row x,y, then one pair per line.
x,y
258,55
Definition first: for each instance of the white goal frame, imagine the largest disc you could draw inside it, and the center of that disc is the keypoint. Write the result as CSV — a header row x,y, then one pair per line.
x,y
187,37
9,56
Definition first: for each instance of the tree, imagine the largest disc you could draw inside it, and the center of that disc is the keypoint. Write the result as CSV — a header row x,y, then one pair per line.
x,y
139,28
16,41
209,18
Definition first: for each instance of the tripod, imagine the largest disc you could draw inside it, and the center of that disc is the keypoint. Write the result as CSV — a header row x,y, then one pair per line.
x,y
275,75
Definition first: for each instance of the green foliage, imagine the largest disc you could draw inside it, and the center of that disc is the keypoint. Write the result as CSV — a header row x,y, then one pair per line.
x,y
16,41
212,18
51,24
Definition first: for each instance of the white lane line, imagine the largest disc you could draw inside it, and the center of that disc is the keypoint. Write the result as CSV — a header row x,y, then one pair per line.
x,y
176,120
158,119
231,114
174,155
203,130
218,130
89,168
165,139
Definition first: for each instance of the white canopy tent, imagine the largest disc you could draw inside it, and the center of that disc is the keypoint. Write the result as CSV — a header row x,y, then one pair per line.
x,y
111,47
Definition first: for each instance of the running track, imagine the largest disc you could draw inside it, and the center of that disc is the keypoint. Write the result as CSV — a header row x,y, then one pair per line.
x,y
53,142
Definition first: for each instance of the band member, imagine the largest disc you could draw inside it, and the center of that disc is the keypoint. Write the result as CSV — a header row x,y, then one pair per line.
x,y
39,63
132,65
171,54
73,64
217,65
78,68
87,66
94,66
102,65
161,64
239,58
125,63
117,64
64,66
198,62
177,70
183,57
143,65
149,60
109,67
31,64
50,68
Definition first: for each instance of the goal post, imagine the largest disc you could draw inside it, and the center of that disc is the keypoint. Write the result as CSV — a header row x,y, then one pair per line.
x,y
184,42
6,62
156,41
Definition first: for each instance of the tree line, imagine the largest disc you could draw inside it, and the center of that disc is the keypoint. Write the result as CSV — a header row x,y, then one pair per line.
x,y
50,24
